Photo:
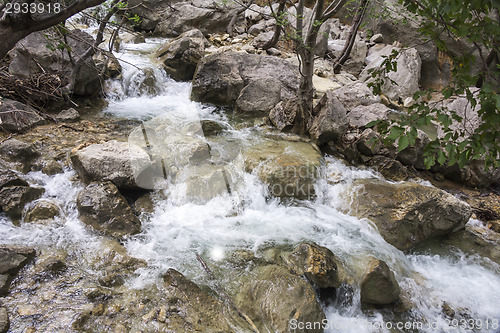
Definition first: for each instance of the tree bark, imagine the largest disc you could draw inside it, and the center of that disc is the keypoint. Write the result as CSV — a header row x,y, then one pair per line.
x,y
14,27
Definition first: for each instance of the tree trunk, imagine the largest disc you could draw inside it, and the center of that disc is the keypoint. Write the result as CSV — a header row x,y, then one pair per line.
x,y
306,92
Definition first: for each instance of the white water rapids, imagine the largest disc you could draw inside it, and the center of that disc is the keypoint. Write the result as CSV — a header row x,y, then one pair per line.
x,y
247,219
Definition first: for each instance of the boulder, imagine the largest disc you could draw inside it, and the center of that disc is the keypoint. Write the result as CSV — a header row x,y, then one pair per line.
x,y
212,127
33,55
317,263
414,155
181,55
407,214
18,155
68,116
12,259
263,38
356,60
111,161
105,209
17,117
362,115
206,15
402,83
283,115
379,286
389,168
354,94
322,85
273,297
255,13
329,120
150,12
220,77
13,199
259,97
43,211
4,320
9,178
290,169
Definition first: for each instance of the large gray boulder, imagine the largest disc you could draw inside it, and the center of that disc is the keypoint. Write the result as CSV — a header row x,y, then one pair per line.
x,y
181,55
379,286
259,97
272,297
18,117
362,115
18,155
407,214
402,83
329,120
356,60
32,56
354,94
111,161
283,115
220,77
105,209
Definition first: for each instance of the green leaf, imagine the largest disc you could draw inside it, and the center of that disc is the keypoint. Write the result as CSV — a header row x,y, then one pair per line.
x,y
373,123
395,133
441,158
403,143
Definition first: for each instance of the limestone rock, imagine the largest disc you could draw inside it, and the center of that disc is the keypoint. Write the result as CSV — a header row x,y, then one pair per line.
x,y
354,94
4,320
329,119
407,214
18,155
104,208
259,97
362,115
14,198
379,286
43,210
18,117
70,115
181,55
283,115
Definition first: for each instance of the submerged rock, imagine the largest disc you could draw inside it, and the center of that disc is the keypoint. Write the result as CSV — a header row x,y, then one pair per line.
x,y
12,259
379,286
43,211
289,168
14,198
181,55
104,208
407,214
272,297
18,117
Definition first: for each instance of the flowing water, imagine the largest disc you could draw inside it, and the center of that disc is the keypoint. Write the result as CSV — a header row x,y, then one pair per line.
x,y
246,218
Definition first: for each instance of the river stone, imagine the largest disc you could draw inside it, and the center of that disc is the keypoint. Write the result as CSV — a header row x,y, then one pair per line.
x,y
329,120
259,97
4,284
379,286
407,214
69,116
18,117
316,262
18,155
220,77
195,308
272,297
283,115
212,127
362,115
290,169
181,55
9,178
104,208
401,84
14,198
4,320
354,94
12,259
389,168
111,161
43,211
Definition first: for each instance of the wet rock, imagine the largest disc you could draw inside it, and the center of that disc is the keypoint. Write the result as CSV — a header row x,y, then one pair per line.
x,y
18,155
104,208
69,116
259,97
212,128
111,161
112,280
50,263
329,119
12,259
407,214
406,77
42,212
220,77
317,263
379,286
31,55
144,204
389,168
18,117
272,297
13,199
9,178
283,115
4,320
52,167
181,55
414,155
354,94
289,168
193,307
362,115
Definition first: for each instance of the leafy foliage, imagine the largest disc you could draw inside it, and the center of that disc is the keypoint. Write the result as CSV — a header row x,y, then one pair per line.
x,y
469,33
